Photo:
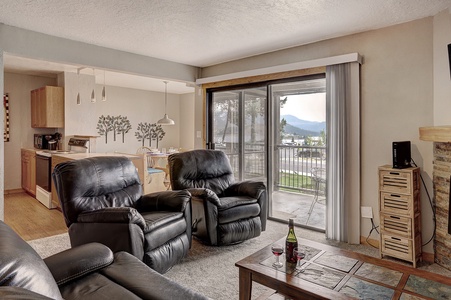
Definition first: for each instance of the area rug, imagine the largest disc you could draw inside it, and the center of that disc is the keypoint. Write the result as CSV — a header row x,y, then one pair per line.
x,y
211,270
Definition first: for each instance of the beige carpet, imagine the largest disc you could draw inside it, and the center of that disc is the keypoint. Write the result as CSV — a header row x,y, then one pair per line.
x,y
211,270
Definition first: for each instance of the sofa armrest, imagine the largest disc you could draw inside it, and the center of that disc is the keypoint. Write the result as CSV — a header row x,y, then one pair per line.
x,y
113,215
146,283
164,201
249,188
19,293
79,261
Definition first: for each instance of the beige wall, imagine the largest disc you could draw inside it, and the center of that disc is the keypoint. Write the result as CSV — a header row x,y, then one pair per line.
x,y
18,88
137,105
396,97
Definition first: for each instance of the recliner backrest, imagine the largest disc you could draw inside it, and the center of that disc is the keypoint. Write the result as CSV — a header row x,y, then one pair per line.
x,y
201,168
95,183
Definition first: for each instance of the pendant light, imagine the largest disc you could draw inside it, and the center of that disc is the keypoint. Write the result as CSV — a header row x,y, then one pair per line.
x,y
93,95
165,120
103,90
78,87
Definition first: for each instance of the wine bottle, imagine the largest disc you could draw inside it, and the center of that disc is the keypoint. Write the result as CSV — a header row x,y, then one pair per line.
x,y
291,242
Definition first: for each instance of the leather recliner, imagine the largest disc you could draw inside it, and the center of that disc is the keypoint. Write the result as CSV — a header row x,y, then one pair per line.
x,y
90,271
101,199
224,212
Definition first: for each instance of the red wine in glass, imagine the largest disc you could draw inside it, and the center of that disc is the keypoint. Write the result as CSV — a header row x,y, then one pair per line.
x,y
277,250
299,256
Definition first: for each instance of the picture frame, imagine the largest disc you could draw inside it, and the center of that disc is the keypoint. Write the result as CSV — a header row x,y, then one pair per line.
x,y
6,117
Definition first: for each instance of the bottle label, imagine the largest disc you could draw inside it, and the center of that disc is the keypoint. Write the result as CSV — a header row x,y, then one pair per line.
x,y
289,247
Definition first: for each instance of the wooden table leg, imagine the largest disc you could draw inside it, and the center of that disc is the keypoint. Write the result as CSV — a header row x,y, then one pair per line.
x,y
245,284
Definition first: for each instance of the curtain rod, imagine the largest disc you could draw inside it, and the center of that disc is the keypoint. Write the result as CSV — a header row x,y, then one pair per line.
x,y
321,62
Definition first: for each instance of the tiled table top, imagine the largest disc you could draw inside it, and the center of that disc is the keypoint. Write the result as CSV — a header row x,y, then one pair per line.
x,y
362,277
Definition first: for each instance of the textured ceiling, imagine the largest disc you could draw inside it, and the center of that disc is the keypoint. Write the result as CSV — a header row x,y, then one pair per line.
x,y
207,32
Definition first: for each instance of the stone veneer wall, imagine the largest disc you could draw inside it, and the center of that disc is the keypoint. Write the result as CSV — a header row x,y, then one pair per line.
x,y
441,182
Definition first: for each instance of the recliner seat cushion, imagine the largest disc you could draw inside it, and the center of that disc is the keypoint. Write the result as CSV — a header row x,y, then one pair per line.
x,y
229,202
238,212
162,227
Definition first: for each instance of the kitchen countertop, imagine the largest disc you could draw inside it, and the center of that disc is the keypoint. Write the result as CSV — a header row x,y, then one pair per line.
x,y
87,155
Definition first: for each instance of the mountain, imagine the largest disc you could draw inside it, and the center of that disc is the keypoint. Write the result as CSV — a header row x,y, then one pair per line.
x,y
316,127
290,129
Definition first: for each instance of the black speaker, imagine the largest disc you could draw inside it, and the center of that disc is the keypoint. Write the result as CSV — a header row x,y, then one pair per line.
x,y
401,155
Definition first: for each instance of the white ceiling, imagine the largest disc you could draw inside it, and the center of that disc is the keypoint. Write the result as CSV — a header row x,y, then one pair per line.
x,y
203,32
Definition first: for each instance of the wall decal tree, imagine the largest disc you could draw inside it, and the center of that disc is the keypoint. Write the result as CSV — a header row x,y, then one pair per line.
x,y
123,126
158,133
143,133
105,125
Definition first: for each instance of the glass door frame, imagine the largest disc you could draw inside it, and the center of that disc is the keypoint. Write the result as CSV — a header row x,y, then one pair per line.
x,y
270,130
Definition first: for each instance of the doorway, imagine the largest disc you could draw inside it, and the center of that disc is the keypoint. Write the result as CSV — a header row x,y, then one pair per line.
x,y
276,132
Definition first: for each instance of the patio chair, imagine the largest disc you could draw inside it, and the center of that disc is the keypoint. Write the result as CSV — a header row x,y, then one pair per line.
x,y
319,177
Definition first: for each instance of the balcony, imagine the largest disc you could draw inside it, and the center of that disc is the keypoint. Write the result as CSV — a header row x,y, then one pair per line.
x,y
299,180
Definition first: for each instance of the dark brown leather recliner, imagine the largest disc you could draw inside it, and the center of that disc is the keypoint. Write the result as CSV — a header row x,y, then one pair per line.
x,y
224,211
90,271
101,199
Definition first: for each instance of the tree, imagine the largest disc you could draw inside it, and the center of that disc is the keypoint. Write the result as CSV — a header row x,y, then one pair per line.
x,y
158,133
123,126
143,133
105,125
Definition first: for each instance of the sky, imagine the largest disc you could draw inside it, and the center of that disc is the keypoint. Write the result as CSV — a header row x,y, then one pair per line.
x,y
310,107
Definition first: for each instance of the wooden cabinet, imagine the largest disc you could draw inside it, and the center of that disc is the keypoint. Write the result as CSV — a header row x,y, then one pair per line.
x,y
400,217
56,160
29,171
47,107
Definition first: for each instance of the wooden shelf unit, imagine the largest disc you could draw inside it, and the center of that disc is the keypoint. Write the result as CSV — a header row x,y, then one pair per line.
x,y
400,213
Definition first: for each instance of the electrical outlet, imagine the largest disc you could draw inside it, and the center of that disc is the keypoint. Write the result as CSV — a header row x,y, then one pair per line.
x,y
366,212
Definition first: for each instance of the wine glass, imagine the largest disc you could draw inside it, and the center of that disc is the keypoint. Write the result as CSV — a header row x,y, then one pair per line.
x,y
297,252
277,250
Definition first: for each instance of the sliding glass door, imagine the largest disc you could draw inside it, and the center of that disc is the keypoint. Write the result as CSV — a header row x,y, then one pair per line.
x,y
276,133
238,127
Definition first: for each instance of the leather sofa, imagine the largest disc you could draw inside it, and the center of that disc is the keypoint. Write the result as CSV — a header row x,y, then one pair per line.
x,y
224,211
102,201
90,271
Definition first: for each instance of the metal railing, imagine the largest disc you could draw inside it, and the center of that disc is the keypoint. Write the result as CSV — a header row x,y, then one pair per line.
x,y
296,165
292,167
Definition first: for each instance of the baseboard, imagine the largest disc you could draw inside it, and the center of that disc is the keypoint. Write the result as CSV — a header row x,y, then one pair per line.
x,y
372,242
14,191
428,257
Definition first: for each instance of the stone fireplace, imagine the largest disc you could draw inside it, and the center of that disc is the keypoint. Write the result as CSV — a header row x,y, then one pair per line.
x,y
441,136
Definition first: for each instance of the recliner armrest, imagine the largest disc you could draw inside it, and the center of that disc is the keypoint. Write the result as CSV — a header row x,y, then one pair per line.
x,y
113,215
79,261
248,188
164,201
206,194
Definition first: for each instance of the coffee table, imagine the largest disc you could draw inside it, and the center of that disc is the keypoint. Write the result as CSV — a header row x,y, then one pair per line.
x,y
333,273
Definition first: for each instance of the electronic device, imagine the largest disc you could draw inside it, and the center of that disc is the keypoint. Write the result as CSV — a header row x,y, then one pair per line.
x,y
401,155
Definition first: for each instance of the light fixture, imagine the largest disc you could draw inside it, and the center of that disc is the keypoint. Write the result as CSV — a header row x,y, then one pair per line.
x,y
93,95
165,120
103,90
78,87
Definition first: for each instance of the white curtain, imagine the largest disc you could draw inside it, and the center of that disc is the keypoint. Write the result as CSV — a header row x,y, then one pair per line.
x,y
343,152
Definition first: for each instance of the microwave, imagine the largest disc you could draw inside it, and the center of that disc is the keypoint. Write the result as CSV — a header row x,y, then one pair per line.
x,y
41,141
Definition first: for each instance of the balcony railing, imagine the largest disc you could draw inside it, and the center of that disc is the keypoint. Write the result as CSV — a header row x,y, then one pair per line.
x,y
295,167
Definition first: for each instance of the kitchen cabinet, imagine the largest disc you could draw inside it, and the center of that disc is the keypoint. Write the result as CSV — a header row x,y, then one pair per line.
x,y
29,171
47,107
56,159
